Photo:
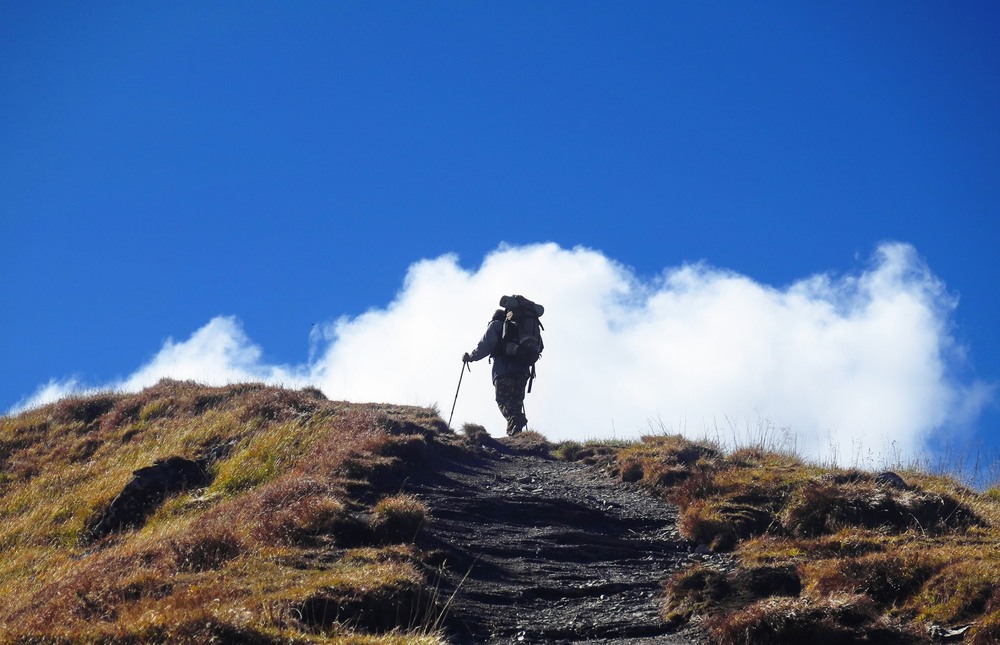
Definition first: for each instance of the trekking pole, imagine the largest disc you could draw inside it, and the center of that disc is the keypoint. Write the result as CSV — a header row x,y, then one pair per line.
x,y
465,366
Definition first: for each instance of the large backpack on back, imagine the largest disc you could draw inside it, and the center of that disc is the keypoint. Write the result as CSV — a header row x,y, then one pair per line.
x,y
522,332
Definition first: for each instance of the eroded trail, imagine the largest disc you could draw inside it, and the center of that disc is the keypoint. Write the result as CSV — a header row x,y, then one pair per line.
x,y
544,551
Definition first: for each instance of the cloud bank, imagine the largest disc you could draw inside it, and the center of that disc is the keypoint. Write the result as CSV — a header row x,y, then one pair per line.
x,y
841,361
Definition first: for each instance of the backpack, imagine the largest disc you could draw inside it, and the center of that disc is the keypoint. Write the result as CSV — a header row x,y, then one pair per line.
x,y
521,343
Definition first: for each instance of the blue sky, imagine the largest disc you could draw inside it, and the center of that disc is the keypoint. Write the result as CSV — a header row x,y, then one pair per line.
x,y
165,164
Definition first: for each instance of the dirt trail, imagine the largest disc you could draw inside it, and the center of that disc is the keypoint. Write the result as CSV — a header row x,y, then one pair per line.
x,y
544,551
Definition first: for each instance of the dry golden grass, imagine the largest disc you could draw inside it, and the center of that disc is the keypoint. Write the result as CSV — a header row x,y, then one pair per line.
x,y
398,518
869,561
254,556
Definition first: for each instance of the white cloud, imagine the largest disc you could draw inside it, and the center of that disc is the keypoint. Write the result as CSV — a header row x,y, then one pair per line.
x,y
843,360
218,353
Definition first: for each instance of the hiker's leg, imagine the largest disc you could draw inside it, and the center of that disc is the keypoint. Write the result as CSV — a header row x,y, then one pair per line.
x,y
510,400
521,421
503,399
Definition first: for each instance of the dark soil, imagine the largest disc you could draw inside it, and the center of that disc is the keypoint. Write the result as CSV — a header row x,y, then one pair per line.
x,y
535,550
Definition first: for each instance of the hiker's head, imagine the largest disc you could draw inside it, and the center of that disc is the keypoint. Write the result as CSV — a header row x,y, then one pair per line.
x,y
499,314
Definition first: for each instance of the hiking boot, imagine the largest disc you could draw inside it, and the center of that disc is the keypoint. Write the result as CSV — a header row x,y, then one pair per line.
x,y
517,427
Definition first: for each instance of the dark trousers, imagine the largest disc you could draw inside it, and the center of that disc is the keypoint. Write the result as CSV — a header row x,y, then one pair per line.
x,y
510,400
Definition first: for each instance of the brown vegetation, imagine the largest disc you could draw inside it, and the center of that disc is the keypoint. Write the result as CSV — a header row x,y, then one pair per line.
x,y
289,531
275,545
823,555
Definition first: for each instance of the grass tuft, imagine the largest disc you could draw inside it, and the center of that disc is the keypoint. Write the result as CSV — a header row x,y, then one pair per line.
x,y
693,591
835,619
398,518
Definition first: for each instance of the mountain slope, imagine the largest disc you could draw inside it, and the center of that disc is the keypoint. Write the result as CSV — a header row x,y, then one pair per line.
x,y
107,536
252,514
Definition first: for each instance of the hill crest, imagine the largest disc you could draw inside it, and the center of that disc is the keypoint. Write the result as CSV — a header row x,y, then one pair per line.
x,y
311,520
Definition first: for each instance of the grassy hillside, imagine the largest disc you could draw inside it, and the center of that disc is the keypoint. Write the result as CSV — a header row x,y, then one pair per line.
x,y
273,544
822,555
278,523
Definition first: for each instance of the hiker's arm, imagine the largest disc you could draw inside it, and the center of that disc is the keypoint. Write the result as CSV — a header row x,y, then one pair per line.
x,y
489,341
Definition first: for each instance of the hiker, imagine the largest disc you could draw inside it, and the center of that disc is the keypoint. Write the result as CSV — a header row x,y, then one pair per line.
x,y
513,342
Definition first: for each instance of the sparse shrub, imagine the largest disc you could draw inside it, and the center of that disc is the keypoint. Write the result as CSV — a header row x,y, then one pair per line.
x,y
476,434
317,515
703,591
303,519
314,393
350,446
631,471
693,591
567,450
394,604
205,546
529,443
827,505
746,517
720,524
696,485
286,510
666,460
409,448
592,453
702,523
270,405
398,518
959,591
82,411
889,578
406,420
766,581
836,619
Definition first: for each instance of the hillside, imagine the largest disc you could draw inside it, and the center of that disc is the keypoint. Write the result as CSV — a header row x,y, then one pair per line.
x,y
251,514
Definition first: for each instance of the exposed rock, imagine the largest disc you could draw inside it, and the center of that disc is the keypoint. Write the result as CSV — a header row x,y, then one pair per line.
x,y
891,479
148,487
945,634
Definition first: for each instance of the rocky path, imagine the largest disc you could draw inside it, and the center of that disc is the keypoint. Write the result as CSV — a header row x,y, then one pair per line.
x,y
542,551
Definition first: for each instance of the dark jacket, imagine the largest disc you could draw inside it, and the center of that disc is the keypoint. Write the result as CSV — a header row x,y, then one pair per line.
x,y
489,345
